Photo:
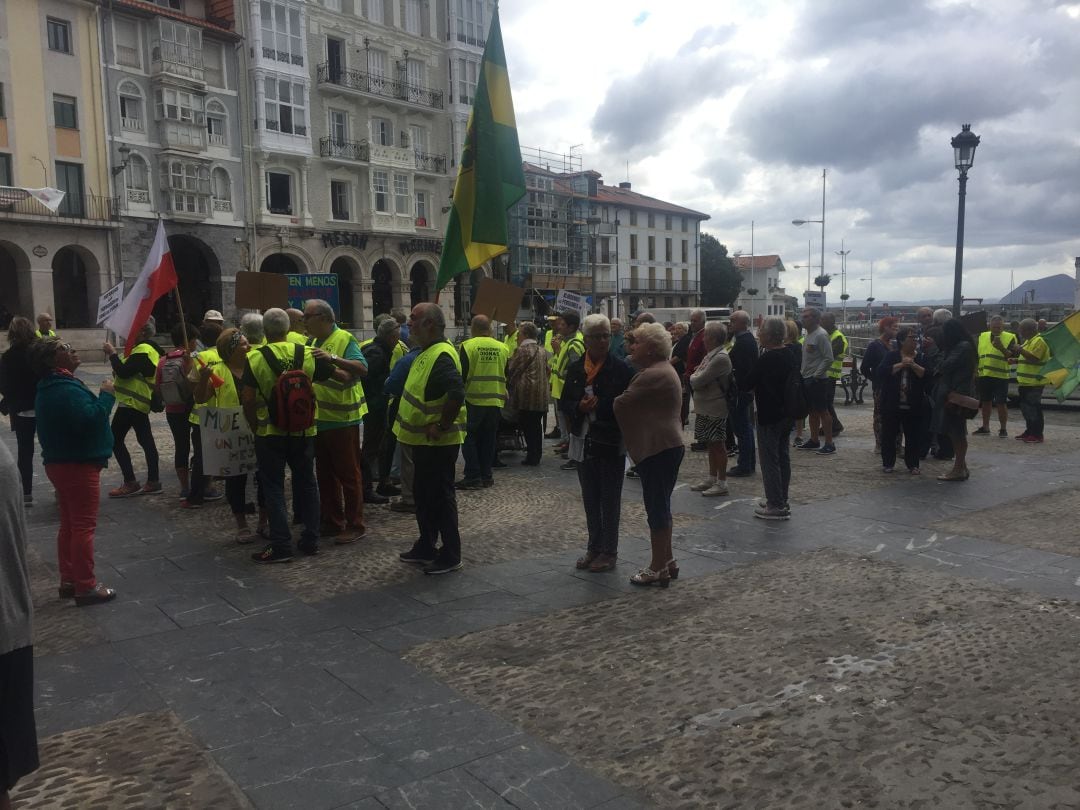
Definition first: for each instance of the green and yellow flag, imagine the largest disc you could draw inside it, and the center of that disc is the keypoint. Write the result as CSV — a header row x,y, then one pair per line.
x,y
1063,368
490,179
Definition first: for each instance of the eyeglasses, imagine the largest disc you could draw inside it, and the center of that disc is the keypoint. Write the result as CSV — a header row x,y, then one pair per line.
x,y
66,347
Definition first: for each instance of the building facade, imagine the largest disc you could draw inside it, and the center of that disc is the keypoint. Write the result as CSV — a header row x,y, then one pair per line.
x,y
52,134
762,294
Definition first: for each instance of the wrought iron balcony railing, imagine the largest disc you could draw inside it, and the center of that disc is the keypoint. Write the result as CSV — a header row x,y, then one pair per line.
x,y
74,206
348,150
431,163
378,85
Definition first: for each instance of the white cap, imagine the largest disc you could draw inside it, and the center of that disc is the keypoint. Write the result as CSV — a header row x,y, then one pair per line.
x,y
213,315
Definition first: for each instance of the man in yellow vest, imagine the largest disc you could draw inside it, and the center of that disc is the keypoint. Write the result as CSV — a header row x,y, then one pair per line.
x,y
511,338
995,348
297,330
376,458
1031,356
44,325
342,407
567,346
134,377
430,419
483,367
276,448
839,343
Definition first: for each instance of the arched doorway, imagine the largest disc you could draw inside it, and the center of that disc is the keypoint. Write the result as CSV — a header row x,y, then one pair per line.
x,y
196,270
280,263
12,262
346,313
420,278
465,290
71,293
382,287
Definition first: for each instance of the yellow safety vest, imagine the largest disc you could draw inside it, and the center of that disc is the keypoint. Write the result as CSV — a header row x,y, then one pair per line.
x,y
486,383
993,363
511,341
415,414
136,392
837,367
342,402
266,378
562,360
207,357
41,334
396,353
1027,373
296,337
226,395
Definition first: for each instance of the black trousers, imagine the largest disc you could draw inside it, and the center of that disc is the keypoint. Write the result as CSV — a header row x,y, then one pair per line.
x,y
436,502
532,428
892,422
371,453
123,421
24,427
601,482
181,429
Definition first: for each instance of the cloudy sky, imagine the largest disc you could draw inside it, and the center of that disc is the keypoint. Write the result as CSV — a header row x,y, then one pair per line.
x,y
734,109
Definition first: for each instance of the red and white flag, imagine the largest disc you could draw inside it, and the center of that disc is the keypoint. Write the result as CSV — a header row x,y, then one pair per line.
x,y
158,276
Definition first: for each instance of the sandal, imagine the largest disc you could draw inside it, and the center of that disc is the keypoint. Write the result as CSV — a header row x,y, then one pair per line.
x,y
96,596
673,569
603,562
646,576
584,562
245,535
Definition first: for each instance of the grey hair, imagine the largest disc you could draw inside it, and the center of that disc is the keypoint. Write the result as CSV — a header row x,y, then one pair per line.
x,y
150,327
251,326
528,331
996,318
1029,323
815,313
773,331
941,315
716,331
386,328
656,337
694,312
321,307
276,324
595,322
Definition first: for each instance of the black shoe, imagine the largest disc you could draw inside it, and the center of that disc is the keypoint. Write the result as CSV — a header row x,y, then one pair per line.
x,y
373,497
308,549
811,444
632,472
488,482
268,555
555,434
737,473
498,464
698,447
388,489
443,567
530,463
469,483
568,465
417,554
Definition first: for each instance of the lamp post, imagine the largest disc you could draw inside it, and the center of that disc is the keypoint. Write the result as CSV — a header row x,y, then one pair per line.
x,y
821,221
843,254
593,224
964,152
870,299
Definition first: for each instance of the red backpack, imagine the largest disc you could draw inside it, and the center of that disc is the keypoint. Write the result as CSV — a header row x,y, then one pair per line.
x,y
292,400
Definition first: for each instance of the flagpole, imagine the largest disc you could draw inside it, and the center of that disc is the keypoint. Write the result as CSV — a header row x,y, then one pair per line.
x,y
180,309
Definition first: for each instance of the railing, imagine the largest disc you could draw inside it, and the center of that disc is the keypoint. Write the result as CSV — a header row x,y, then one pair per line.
x,y
127,56
131,124
223,205
659,285
217,139
431,163
73,206
138,195
283,56
379,85
349,150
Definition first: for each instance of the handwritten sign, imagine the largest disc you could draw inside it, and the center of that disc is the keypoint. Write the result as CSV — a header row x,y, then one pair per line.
x,y
228,445
108,302
315,285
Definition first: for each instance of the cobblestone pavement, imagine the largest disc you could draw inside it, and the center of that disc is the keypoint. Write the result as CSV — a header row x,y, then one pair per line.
x,y
351,680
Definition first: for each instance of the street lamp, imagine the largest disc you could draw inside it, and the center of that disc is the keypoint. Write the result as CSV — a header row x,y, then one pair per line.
x,y
593,224
843,254
870,300
964,152
821,221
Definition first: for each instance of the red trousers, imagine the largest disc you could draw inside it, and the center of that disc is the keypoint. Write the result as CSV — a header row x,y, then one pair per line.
x,y
337,469
77,492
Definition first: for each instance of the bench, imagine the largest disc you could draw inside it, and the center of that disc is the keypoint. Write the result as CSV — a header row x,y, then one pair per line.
x,y
853,383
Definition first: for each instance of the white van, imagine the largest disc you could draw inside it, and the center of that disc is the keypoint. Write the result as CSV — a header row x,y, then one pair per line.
x,y
677,314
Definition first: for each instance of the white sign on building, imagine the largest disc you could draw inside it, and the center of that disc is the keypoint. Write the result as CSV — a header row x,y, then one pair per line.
x,y
815,298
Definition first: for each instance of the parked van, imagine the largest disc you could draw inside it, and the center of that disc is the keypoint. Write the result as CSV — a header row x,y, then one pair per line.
x,y
677,314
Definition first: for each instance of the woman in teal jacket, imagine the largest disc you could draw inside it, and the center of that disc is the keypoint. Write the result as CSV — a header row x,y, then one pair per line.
x,y
76,442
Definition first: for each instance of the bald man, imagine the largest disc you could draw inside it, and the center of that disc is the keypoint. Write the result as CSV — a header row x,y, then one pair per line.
x,y
297,328
483,367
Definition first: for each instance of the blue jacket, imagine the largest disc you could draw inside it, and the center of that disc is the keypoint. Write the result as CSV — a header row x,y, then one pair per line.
x,y
72,423
395,383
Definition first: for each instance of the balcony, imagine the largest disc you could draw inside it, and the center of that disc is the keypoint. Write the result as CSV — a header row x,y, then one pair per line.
x,y
436,164
173,59
344,150
17,204
649,285
377,85
283,56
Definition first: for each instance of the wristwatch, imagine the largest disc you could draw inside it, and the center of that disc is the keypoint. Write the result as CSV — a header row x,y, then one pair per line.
x,y
333,358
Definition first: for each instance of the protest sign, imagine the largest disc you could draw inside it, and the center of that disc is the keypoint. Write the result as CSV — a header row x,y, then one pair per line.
x,y
314,285
498,300
261,291
227,442
108,302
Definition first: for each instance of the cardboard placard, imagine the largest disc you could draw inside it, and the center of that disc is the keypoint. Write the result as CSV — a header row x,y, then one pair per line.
x,y
498,300
108,303
227,442
261,291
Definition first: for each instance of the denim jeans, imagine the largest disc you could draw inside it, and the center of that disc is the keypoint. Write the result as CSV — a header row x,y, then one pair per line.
x,y
481,428
1031,408
775,453
273,454
743,426
601,482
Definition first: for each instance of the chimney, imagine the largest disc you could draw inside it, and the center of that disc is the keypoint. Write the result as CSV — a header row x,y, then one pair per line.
x,y
626,184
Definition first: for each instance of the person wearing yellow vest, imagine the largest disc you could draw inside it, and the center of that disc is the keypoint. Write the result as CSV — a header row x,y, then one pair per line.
x,y
1031,356
510,340
133,377
219,387
45,322
431,420
992,379
274,448
200,485
567,346
297,331
342,407
483,367
550,342
839,343
376,456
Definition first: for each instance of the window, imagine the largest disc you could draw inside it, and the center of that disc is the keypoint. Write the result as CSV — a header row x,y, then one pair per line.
x,y
65,112
179,105
137,179
131,111
667,249
375,11
418,138
414,75
339,126
178,44
633,217
213,65
684,224
175,5
69,178
401,193
667,222
413,22
382,131
421,209
466,81
126,43
285,106
59,32
335,59
469,21
188,186
633,246
685,251
652,220
381,187
279,193
6,176
339,199
652,248
281,37
376,63
605,250
216,129
332,5
221,189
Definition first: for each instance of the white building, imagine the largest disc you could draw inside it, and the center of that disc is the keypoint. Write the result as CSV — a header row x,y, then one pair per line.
x,y
762,294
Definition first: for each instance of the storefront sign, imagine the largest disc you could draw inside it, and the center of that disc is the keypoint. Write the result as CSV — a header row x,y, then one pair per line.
x,y
227,444
421,246
317,285
350,238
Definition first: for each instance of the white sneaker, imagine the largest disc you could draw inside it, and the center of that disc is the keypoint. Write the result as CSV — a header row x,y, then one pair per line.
x,y
718,488
704,485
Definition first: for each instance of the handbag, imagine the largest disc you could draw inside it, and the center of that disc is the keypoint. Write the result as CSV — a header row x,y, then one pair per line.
x,y
961,405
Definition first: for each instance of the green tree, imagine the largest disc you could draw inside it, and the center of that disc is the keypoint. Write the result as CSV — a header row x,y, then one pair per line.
x,y
721,281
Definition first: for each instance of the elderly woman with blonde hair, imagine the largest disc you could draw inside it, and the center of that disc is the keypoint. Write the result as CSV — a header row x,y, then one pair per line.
x,y
648,414
711,382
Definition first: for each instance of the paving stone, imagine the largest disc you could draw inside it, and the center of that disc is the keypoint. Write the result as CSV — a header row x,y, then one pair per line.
x,y
84,674
92,710
204,608
59,626
223,714
269,626
130,618
456,789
